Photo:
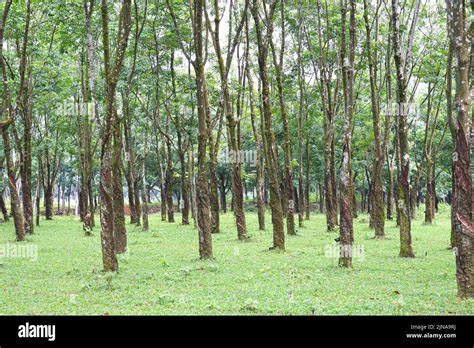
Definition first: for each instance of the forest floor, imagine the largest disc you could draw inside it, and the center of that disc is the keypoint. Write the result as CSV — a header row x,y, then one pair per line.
x,y
161,273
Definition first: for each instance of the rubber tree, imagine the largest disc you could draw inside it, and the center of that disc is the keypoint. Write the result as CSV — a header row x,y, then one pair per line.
x,y
112,72
462,208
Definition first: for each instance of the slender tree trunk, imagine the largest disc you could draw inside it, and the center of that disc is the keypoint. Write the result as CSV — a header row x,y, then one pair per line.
x,y
347,59
403,175
49,201
202,186
129,158
3,207
213,194
330,199
88,9
430,198
107,210
192,186
184,185
287,191
163,208
452,128
223,191
301,111
25,102
145,226
38,206
203,211
16,209
7,109
271,155
377,211
232,125
391,169
397,162
414,193
169,174
307,160
321,198
120,232
84,129
184,199
328,108
259,168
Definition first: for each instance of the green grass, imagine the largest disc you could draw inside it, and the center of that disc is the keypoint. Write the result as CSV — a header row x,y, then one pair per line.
x,y
161,274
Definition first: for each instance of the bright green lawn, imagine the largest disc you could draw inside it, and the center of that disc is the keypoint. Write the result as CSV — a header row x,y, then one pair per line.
x,y
162,274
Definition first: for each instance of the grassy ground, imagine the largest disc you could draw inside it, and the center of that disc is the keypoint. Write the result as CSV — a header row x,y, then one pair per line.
x,y
162,275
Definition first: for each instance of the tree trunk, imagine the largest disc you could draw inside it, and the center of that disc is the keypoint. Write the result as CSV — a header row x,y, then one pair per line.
x,y
120,232
301,112
463,205
16,209
232,124
329,102
289,201
321,198
213,194
430,198
223,191
391,170
184,185
307,205
414,194
347,61
145,226
260,180
49,202
107,210
3,207
169,188
202,186
130,159
163,208
271,160
38,206
403,175
377,212
88,9
25,103
7,107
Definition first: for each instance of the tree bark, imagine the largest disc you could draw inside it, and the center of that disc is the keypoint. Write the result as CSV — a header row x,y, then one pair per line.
x,y
203,211
145,225
271,155
120,232
107,211
7,110
25,104
403,175
3,207
377,211
16,209
301,111
347,61
234,143
260,180
329,103
287,192
463,223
